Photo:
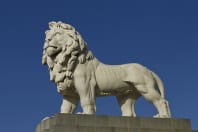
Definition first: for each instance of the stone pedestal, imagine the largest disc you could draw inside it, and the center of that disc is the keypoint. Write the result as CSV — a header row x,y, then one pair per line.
x,y
93,123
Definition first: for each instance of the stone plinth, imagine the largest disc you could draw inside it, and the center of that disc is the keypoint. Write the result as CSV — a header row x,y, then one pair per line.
x,y
93,123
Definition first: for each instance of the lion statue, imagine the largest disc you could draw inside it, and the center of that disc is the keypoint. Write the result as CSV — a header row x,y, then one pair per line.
x,y
80,76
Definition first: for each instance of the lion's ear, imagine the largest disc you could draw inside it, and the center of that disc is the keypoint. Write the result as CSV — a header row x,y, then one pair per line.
x,y
67,26
52,24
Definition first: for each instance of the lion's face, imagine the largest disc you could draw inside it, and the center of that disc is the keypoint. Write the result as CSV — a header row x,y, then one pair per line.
x,y
54,43
57,42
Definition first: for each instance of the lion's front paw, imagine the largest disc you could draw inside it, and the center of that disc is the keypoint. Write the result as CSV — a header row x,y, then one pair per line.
x,y
156,116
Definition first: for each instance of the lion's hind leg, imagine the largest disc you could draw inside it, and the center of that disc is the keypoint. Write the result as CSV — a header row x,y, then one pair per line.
x,y
127,103
149,92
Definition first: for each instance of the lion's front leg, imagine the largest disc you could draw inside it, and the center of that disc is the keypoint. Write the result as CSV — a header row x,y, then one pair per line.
x,y
88,109
86,90
69,104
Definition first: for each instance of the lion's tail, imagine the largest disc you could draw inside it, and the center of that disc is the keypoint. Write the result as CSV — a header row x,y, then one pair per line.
x,y
159,84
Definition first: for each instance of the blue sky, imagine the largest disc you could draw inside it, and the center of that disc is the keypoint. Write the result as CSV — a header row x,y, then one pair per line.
x,y
162,35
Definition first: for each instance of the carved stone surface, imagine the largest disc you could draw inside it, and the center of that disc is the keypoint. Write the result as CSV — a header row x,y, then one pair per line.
x,y
80,76
93,123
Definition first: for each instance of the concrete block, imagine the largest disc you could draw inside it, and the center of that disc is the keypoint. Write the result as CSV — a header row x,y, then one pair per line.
x,y
121,129
181,124
85,120
183,131
65,119
157,123
150,130
47,123
52,129
104,129
66,129
134,122
93,123
38,128
85,129
101,121
118,122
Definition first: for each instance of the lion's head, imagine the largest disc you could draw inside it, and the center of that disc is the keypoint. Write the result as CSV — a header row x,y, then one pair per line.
x,y
63,48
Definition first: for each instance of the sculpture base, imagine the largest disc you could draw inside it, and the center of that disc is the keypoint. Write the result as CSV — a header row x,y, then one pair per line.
x,y
93,123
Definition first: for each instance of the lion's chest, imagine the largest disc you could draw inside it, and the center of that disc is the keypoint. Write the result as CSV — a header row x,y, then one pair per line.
x,y
110,78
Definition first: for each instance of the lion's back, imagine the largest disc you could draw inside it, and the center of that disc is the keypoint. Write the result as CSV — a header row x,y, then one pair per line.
x,y
137,73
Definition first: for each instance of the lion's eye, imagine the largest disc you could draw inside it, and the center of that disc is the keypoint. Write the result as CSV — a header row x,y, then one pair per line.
x,y
69,45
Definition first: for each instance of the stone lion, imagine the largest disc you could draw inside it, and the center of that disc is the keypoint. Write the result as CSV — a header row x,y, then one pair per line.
x,y
79,76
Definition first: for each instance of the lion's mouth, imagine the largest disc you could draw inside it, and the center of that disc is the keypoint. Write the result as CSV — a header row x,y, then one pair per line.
x,y
62,85
55,47
52,50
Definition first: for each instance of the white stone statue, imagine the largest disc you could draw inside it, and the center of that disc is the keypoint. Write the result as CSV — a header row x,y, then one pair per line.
x,y
80,76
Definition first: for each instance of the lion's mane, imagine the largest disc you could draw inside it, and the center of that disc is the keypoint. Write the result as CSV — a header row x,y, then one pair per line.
x,y
57,60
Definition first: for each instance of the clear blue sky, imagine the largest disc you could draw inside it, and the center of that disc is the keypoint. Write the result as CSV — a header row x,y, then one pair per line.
x,y
162,35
